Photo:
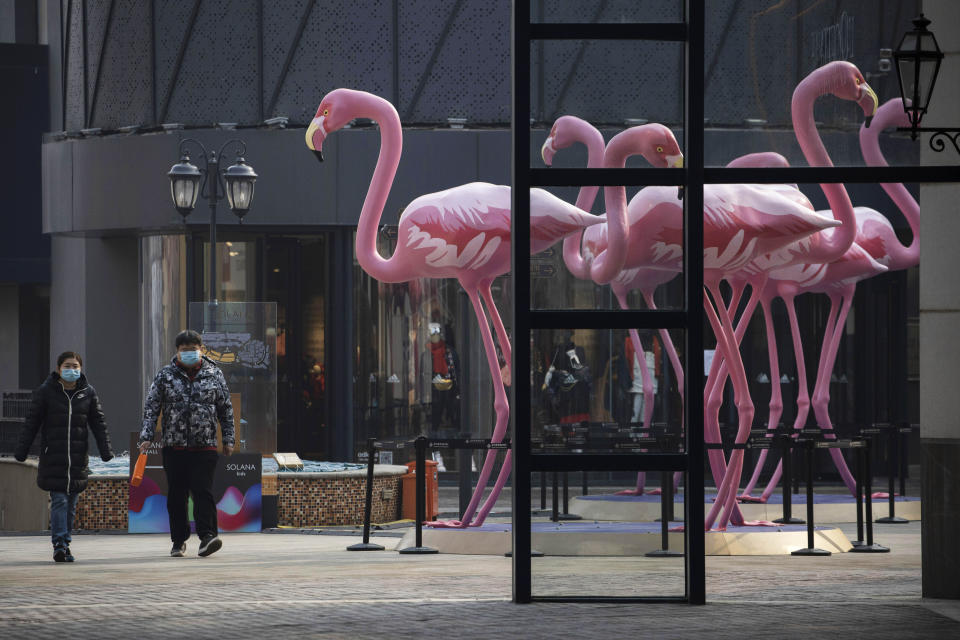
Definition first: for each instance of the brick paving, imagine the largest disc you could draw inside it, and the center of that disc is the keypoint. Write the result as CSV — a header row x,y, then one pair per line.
x,y
309,586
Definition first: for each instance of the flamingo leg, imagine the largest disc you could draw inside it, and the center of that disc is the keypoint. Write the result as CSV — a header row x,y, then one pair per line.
x,y
508,459
647,386
713,398
726,498
501,407
821,396
776,396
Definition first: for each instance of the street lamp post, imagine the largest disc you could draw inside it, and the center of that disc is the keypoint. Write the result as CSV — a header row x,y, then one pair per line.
x,y
918,59
187,182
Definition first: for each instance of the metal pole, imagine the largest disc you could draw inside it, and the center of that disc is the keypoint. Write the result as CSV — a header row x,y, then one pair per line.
x,y
666,514
368,507
859,498
810,550
787,479
893,464
213,181
869,546
421,447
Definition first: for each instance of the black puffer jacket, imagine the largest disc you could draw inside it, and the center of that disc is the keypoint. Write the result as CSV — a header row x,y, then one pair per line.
x,y
63,423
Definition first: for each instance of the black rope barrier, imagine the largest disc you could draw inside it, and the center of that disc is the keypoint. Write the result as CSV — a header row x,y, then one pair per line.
x,y
868,546
894,455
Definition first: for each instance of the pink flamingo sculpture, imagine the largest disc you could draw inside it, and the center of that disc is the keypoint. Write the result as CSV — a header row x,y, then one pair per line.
x,y
844,81
878,241
462,233
741,222
660,150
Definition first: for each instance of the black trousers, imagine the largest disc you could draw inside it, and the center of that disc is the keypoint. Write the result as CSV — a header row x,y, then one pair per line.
x,y
190,474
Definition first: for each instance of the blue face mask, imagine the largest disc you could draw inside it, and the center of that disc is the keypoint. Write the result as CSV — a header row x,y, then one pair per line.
x,y
70,375
190,358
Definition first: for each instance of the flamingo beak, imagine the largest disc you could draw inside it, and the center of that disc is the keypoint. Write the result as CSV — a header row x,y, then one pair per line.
x,y
547,151
315,136
676,162
868,102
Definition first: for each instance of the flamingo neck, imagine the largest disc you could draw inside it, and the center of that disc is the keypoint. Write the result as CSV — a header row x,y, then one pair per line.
x,y
901,256
391,146
606,266
825,247
588,135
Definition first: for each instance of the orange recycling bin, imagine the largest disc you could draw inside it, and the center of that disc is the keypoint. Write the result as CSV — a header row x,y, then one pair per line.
x,y
409,485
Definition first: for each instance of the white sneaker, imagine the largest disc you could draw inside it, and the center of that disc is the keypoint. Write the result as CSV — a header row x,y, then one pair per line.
x,y
209,546
178,550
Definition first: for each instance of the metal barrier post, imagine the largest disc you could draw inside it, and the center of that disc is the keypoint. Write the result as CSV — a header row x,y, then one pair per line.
x,y
858,454
566,515
465,475
366,545
555,506
810,550
893,462
421,447
869,546
666,515
543,490
786,479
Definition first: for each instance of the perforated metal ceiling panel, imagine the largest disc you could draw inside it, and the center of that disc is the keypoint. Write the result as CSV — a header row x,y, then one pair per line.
x,y
125,95
218,79
453,59
345,44
470,73
74,90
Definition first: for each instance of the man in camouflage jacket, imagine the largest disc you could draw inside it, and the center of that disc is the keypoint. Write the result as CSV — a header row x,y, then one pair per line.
x,y
190,395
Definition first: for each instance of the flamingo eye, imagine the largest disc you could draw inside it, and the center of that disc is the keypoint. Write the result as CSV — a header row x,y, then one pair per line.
x,y
859,81
659,149
326,112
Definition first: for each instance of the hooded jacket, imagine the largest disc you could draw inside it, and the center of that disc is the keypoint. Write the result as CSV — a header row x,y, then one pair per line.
x,y
190,408
63,423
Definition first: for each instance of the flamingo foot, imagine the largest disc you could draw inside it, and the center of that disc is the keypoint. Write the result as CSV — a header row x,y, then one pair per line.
x,y
751,499
678,529
655,492
759,523
447,524
629,492
881,495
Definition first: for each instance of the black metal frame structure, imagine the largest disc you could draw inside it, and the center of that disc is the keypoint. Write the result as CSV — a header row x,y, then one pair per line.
x,y
694,176
690,319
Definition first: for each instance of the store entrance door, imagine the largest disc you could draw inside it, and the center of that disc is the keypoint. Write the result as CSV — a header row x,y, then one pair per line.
x,y
297,278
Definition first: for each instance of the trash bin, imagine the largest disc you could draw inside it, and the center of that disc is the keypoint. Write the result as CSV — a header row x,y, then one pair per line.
x,y
409,486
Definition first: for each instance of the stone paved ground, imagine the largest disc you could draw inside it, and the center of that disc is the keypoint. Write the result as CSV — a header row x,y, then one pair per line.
x,y
309,586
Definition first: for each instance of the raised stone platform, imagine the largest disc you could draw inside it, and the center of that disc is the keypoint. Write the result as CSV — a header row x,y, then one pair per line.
x,y
827,507
625,539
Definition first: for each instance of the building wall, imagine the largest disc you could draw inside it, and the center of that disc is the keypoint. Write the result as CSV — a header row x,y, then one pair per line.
x,y
9,336
939,320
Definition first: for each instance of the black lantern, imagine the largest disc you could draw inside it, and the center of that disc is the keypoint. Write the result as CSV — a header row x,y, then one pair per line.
x,y
240,178
185,183
918,63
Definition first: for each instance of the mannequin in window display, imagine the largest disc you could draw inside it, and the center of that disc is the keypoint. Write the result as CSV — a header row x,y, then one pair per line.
x,y
569,381
636,389
441,368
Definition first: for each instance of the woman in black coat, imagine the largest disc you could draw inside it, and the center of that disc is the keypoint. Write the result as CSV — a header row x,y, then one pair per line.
x,y
62,410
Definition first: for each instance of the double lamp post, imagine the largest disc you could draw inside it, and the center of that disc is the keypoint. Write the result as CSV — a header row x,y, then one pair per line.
x,y
187,181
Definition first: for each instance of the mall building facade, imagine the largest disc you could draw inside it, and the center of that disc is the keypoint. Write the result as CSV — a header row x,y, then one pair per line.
x,y
355,357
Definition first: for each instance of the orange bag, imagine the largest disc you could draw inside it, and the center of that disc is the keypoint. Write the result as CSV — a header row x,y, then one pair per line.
x,y
137,476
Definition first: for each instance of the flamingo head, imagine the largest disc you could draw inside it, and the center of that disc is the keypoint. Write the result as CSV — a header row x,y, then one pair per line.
x,y
566,131
337,108
847,83
655,142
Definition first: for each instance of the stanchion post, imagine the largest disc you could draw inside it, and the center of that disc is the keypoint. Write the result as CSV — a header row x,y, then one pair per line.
x,y
665,518
893,464
366,545
858,456
543,490
421,484
583,480
810,550
566,515
555,506
464,475
869,546
786,479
